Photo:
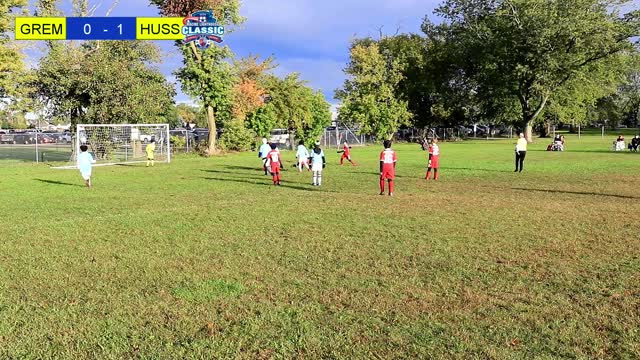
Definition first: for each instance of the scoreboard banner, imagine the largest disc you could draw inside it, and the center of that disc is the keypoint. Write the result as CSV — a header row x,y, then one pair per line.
x,y
201,27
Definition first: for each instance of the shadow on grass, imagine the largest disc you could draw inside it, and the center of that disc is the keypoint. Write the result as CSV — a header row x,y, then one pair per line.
x,y
236,167
284,185
53,182
578,193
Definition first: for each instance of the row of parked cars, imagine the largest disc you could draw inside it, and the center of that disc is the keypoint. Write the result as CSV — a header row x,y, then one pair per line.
x,y
31,137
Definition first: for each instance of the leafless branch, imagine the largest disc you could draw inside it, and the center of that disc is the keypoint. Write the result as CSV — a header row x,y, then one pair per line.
x,y
93,9
113,6
514,11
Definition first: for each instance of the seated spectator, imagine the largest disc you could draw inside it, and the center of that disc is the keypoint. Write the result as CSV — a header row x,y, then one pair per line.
x,y
558,143
619,144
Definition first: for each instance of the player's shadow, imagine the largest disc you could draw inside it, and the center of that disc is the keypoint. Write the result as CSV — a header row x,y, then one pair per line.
x,y
284,185
52,182
236,167
552,191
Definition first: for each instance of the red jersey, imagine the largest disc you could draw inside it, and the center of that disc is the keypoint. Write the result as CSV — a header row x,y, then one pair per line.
x,y
273,158
434,152
346,150
388,158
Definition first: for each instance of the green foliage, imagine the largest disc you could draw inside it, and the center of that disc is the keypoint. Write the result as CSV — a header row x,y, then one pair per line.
x,y
206,75
263,120
368,95
313,127
104,83
191,114
236,137
210,79
14,76
417,85
178,141
530,51
290,98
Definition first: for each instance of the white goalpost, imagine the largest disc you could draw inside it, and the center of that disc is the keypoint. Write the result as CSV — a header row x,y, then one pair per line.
x,y
114,144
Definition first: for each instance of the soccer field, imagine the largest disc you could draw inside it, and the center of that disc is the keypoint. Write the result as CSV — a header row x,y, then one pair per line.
x,y
204,258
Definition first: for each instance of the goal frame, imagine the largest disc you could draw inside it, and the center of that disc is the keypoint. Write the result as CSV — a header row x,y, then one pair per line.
x,y
77,142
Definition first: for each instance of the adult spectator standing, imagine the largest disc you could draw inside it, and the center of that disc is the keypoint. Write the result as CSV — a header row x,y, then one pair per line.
x,y
521,153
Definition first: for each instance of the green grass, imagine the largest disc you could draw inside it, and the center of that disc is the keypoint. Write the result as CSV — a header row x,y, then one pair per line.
x,y
204,259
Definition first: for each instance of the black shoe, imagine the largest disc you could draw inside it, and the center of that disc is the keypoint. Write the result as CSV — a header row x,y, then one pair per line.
x,y
516,170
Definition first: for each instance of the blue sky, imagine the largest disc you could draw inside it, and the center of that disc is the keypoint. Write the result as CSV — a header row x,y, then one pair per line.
x,y
305,36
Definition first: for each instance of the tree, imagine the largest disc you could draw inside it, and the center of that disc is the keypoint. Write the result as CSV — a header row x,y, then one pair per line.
x,y
104,83
529,50
248,93
368,96
263,120
191,114
417,86
289,98
13,74
320,118
206,75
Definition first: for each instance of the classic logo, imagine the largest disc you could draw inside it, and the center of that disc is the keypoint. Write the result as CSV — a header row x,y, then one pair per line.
x,y
202,28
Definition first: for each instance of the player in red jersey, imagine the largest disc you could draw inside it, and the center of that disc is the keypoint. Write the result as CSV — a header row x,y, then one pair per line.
x,y
388,161
346,154
274,161
434,160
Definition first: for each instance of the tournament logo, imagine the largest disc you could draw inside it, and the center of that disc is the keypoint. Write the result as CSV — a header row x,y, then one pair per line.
x,y
202,28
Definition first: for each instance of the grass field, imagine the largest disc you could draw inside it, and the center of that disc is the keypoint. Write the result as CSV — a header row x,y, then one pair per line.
x,y
203,258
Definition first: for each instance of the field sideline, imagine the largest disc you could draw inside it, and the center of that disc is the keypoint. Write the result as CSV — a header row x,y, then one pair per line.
x,y
203,258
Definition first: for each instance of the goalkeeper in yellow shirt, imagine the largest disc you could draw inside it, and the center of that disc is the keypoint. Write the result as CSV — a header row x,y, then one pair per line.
x,y
150,149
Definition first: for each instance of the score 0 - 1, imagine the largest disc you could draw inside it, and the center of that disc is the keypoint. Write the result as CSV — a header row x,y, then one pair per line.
x,y
98,28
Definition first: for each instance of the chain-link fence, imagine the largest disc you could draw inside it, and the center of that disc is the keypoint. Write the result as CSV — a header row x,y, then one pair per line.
x,y
35,146
335,137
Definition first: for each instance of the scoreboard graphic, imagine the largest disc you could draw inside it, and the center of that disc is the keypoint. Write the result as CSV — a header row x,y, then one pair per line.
x,y
201,28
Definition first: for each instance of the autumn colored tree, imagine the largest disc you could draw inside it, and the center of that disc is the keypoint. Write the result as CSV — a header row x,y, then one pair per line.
x,y
207,75
248,94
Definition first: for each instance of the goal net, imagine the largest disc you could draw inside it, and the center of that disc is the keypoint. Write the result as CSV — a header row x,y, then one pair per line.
x,y
122,143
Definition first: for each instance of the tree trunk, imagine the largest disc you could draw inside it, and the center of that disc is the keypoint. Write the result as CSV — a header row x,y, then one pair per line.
x,y
213,133
529,115
545,129
528,132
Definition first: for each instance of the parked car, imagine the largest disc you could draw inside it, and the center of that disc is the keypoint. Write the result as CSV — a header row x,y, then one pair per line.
x,y
7,138
200,135
64,138
45,139
24,138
